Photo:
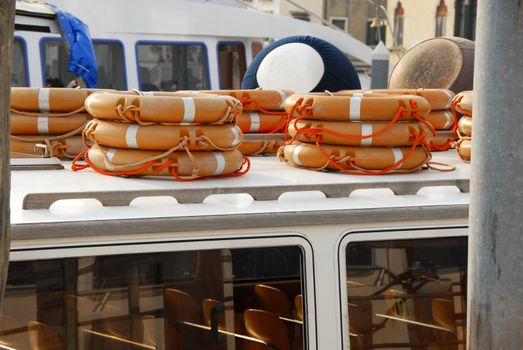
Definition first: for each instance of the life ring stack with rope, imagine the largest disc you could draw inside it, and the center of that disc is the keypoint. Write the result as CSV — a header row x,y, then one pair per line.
x,y
358,132
462,104
441,117
185,135
263,112
48,121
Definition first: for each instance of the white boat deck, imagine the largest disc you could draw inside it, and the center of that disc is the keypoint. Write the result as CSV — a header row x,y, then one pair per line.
x,y
47,196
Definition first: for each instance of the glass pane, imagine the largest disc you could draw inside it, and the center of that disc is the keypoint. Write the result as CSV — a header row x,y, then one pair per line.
x,y
232,65
19,64
169,67
157,301
110,61
409,294
56,59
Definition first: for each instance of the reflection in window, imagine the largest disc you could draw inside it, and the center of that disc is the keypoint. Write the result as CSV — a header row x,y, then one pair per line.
x,y
169,67
110,61
232,65
55,60
407,293
19,64
399,14
156,300
441,19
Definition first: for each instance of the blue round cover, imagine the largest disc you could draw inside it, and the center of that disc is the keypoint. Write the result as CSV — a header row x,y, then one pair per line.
x,y
338,71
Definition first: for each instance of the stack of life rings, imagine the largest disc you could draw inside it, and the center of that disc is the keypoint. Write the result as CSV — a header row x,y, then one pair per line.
x,y
462,104
48,121
440,117
358,133
187,136
263,113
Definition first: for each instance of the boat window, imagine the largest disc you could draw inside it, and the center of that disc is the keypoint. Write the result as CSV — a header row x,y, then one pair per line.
x,y
172,66
196,299
232,65
111,67
407,293
19,64
55,59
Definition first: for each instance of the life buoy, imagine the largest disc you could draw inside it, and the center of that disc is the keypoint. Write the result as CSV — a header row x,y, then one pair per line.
x,y
164,137
356,134
464,148
163,109
257,122
113,161
356,159
441,120
254,100
438,99
441,143
62,148
462,103
357,107
254,148
48,100
22,124
465,126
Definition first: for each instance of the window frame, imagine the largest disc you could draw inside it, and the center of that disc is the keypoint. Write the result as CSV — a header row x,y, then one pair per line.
x,y
340,18
372,235
218,44
26,58
170,42
119,42
42,58
144,246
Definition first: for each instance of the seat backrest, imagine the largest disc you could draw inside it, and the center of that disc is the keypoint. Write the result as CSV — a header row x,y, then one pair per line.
x,y
298,304
180,306
443,313
268,327
43,337
273,300
13,333
207,305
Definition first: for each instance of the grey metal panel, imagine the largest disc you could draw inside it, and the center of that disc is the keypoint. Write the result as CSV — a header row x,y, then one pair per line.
x,y
238,221
186,196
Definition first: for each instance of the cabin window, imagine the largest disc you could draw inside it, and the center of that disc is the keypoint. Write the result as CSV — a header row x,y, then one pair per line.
x,y
55,59
111,66
157,300
169,67
408,293
19,64
231,58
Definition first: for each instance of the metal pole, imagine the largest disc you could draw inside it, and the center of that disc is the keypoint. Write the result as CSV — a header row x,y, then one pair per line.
x,y
7,15
380,67
495,293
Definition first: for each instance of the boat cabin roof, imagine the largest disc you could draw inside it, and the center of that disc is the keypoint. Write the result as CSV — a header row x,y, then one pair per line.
x,y
51,198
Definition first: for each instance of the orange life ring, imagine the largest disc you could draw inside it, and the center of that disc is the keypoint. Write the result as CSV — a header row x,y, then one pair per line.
x,y
163,137
356,134
462,102
257,122
357,107
62,148
439,99
253,100
464,148
113,161
48,100
465,126
441,120
357,159
441,143
163,109
254,148
22,124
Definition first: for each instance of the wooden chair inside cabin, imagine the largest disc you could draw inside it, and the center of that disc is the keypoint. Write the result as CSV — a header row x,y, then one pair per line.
x,y
443,314
361,328
13,333
267,327
180,307
273,300
298,304
43,337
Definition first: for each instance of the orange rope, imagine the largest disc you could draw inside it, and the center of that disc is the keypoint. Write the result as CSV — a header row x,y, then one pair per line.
x,y
247,103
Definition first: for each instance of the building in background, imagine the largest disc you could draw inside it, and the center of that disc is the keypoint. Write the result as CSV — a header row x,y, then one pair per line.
x,y
307,10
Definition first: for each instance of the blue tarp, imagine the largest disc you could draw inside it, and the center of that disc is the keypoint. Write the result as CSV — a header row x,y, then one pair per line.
x,y
82,60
